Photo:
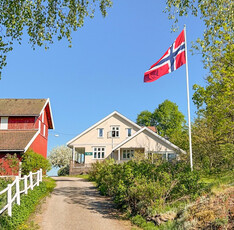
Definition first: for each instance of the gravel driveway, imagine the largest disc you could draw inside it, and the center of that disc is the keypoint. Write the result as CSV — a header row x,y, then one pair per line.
x,y
76,204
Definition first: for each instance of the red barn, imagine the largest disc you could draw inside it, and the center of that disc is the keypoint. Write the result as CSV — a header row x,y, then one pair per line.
x,y
24,124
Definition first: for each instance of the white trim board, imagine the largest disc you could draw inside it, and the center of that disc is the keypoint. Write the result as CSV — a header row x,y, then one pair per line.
x,y
43,108
31,141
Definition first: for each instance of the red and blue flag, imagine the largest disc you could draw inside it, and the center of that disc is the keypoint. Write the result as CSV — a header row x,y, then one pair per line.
x,y
169,62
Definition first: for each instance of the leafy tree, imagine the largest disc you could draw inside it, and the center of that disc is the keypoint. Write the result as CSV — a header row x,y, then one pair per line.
x,y
60,156
43,20
169,122
168,119
145,118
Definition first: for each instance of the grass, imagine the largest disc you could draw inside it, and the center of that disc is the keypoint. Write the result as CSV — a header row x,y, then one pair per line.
x,y
83,176
30,224
21,215
216,181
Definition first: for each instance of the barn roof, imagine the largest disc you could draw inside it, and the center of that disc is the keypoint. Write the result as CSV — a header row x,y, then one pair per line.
x,y
26,107
21,107
16,140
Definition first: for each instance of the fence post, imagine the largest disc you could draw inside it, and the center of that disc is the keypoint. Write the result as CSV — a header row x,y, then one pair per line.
x,y
20,169
9,200
38,177
31,180
26,184
17,190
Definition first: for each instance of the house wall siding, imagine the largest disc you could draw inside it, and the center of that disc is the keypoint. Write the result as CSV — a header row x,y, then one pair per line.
x,y
39,145
21,123
148,142
91,139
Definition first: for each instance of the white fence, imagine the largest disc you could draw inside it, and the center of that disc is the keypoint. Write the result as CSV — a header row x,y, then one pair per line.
x,y
29,182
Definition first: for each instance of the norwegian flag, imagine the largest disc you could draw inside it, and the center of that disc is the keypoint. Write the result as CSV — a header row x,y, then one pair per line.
x,y
170,61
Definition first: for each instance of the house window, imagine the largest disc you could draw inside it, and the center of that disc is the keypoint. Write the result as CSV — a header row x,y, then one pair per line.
x,y
128,153
129,132
4,123
171,156
115,131
100,132
98,152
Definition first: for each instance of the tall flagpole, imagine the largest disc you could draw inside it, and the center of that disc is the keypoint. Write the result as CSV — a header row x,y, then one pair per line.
x,y
189,122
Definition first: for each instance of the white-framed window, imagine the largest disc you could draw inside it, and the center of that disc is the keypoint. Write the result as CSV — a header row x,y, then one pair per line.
x,y
168,156
4,123
128,153
98,152
129,132
44,130
171,156
115,131
100,132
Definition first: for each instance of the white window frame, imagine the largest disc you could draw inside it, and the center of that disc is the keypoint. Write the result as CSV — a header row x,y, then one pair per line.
x,y
4,123
99,132
127,131
126,152
97,150
44,130
43,117
113,129
165,155
39,125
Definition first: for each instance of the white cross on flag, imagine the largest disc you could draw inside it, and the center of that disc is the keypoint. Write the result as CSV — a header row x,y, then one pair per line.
x,y
170,61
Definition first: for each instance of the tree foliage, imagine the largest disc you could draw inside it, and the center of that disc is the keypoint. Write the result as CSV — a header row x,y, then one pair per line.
x,y
145,118
43,21
60,156
217,16
169,122
168,119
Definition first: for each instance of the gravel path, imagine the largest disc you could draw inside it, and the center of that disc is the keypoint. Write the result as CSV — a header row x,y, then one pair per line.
x,y
76,204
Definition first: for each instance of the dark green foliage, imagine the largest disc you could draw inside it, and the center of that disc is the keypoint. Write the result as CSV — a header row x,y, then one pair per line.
x,y
27,206
142,187
169,122
63,171
32,161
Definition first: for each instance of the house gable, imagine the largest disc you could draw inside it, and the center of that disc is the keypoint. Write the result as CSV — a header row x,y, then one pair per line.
x,y
150,141
90,135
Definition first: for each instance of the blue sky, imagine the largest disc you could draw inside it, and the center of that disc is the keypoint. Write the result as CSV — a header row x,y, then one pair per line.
x,y
104,69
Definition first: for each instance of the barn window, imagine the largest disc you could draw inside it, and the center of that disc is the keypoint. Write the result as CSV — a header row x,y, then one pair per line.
x,y
4,123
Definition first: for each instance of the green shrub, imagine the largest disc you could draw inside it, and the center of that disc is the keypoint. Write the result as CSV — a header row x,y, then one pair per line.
x,y
139,221
32,161
9,165
64,171
28,204
142,187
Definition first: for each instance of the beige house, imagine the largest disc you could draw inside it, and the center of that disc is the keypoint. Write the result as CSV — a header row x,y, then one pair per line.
x,y
115,136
